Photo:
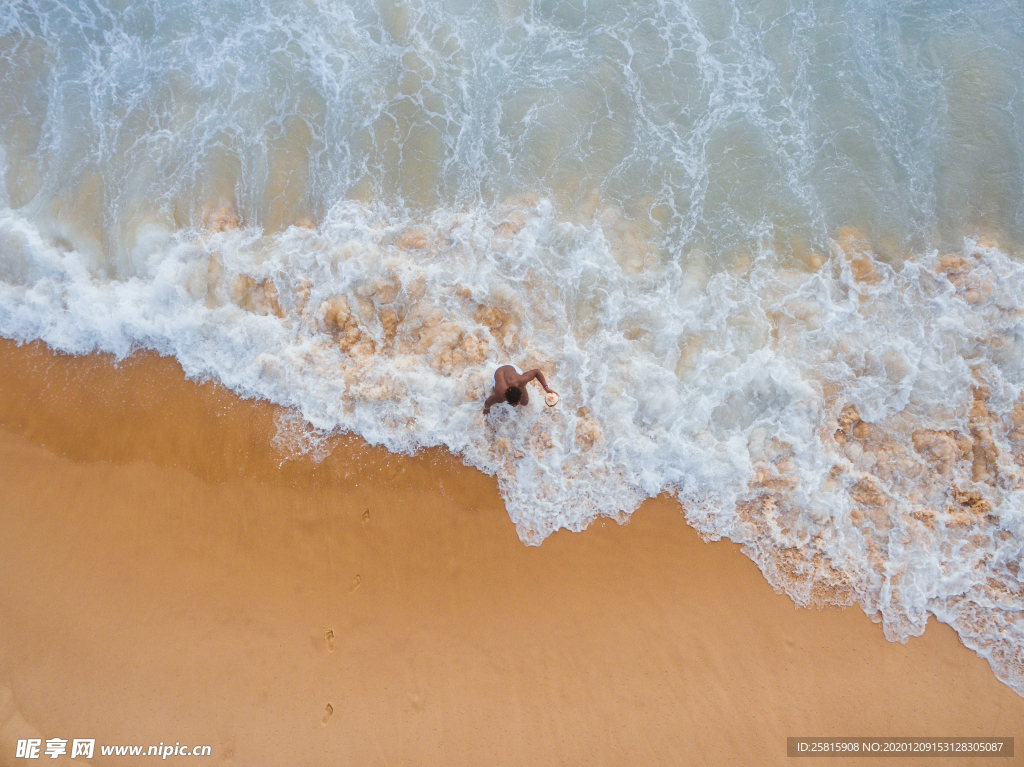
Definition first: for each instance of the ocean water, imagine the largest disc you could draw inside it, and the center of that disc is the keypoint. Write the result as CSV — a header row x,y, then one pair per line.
x,y
769,253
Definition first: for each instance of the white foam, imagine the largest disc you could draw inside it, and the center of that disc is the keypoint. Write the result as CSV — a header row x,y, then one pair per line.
x,y
392,327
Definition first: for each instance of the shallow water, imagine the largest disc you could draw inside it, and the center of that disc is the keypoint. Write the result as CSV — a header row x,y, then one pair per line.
x,y
768,254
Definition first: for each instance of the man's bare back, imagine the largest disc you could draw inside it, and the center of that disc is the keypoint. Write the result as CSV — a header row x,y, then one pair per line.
x,y
508,381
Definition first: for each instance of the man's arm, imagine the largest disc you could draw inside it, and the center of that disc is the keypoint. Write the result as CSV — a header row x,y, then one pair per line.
x,y
494,399
536,373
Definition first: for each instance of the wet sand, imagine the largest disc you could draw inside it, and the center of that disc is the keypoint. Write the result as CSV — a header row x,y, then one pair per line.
x,y
165,577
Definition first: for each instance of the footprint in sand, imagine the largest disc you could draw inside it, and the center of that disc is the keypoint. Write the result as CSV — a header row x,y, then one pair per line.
x,y
366,519
329,637
355,582
328,712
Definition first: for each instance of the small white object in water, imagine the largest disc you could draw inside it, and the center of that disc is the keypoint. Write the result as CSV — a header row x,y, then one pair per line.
x,y
550,399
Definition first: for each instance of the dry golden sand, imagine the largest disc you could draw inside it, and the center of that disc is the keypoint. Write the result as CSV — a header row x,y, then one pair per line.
x,y
165,579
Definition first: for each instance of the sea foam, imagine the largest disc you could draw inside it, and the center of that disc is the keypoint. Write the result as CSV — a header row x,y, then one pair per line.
x,y
858,428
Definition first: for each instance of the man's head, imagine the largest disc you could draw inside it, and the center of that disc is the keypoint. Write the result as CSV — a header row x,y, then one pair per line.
x,y
513,394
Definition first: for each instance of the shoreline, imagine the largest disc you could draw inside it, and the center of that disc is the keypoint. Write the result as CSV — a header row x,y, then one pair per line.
x,y
168,575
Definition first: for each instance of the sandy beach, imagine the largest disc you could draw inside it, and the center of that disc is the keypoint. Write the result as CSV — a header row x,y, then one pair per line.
x,y
260,263
169,577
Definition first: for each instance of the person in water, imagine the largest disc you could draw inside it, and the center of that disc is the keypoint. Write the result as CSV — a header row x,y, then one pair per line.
x,y
510,386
